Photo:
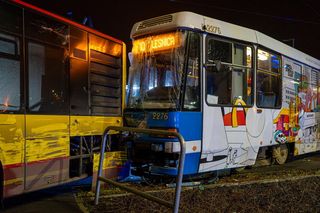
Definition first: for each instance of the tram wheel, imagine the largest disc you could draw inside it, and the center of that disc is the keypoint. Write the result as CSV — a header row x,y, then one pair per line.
x,y
280,154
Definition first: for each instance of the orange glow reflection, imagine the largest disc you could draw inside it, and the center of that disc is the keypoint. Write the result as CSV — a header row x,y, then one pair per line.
x,y
105,46
97,47
5,103
114,49
156,43
82,46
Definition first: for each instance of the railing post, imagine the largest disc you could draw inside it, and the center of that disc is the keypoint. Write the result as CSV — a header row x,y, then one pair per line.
x,y
103,147
180,174
179,177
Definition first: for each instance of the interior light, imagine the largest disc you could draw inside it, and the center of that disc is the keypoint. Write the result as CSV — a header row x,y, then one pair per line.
x,y
249,51
135,87
262,55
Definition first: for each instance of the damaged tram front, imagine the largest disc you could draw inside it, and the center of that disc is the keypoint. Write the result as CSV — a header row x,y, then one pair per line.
x,y
164,93
236,95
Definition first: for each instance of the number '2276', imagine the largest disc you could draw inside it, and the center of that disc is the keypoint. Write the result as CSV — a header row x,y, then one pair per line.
x,y
160,116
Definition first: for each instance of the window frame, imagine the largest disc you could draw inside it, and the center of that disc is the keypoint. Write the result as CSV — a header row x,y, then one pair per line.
x,y
232,65
183,90
73,33
318,89
15,30
18,58
16,55
310,84
270,73
180,99
27,80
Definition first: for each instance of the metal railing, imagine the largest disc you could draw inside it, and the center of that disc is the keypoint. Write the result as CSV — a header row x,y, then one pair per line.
x,y
175,205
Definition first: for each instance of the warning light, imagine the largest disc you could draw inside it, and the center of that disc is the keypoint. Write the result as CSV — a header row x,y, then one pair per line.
x,y
156,43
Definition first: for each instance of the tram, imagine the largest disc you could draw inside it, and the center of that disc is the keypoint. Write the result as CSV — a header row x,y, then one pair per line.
x,y
236,95
61,85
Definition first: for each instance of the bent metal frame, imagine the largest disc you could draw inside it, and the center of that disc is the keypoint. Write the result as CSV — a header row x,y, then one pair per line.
x,y
179,177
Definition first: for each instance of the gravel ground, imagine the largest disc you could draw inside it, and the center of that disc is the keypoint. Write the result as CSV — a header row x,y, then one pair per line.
x,y
294,187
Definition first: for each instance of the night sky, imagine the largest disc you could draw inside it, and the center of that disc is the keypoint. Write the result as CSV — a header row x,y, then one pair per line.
x,y
282,19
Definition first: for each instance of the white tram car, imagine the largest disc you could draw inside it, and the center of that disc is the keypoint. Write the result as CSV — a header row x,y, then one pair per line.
x,y
234,94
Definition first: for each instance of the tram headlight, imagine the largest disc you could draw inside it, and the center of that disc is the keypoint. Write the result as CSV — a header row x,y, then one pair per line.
x,y
172,147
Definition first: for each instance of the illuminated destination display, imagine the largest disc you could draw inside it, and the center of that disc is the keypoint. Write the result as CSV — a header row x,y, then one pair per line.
x,y
156,43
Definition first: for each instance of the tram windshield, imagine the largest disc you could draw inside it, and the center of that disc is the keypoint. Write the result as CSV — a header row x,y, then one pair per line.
x,y
156,71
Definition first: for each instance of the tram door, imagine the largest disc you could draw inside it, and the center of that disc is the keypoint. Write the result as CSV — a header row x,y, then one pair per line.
x,y
228,102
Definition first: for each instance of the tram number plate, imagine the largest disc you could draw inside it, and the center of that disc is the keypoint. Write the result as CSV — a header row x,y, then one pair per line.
x,y
212,29
160,116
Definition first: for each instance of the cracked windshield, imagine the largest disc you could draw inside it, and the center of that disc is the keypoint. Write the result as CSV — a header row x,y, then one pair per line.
x,y
156,71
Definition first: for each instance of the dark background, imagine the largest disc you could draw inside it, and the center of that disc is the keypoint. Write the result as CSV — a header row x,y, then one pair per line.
x,y
282,19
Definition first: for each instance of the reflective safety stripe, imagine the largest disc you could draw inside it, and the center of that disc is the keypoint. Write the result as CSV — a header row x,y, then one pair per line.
x,y
191,146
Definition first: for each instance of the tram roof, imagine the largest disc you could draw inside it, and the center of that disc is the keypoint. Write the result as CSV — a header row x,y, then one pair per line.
x,y
195,21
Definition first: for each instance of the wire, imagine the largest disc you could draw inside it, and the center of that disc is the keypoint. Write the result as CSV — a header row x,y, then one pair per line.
x,y
312,8
248,12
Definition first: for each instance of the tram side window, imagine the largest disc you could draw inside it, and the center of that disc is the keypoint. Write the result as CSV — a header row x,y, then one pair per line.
x,y
10,93
318,90
228,73
45,29
10,18
268,80
192,94
308,89
47,44
47,79
313,86
10,72
78,72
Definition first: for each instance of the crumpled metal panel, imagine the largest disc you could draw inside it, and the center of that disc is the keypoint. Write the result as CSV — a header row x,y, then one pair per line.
x,y
11,139
91,125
